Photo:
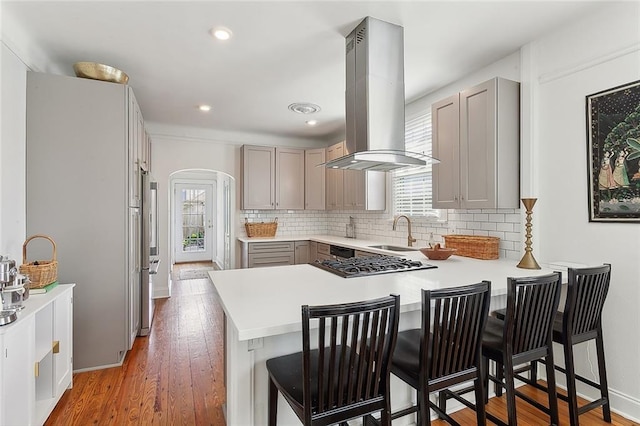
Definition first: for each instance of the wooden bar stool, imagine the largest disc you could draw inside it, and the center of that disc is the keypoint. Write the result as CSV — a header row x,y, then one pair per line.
x,y
347,375
523,336
580,321
445,351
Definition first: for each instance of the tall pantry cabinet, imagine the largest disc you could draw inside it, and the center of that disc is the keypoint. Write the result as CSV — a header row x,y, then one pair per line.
x,y
84,140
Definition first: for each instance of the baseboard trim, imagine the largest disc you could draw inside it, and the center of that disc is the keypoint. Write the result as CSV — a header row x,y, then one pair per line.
x,y
621,403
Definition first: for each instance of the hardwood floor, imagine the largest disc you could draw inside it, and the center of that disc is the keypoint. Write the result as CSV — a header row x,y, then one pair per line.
x,y
174,376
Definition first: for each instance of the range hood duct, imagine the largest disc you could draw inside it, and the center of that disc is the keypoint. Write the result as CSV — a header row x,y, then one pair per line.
x,y
375,100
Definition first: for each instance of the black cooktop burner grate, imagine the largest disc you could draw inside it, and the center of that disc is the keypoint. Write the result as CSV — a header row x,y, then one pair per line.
x,y
370,265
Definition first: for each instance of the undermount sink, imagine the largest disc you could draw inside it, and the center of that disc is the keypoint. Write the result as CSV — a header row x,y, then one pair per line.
x,y
393,248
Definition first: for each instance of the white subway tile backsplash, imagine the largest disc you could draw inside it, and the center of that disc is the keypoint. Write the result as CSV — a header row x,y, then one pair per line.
x,y
377,226
512,217
496,217
506,226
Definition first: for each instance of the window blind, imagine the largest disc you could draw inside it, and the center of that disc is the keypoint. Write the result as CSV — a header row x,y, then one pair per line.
x,y
412,186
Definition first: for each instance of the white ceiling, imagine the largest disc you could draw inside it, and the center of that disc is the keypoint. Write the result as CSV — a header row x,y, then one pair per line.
x,y
280,53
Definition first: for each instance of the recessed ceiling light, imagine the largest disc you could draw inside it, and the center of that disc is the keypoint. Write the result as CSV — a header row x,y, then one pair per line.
x,y
312,122
304,108
221,33
204,108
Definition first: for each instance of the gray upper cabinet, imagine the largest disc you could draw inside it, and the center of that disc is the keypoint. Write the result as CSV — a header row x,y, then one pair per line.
x,y
335,179
354,189
314,179
289,178
272,178
258,177
476,137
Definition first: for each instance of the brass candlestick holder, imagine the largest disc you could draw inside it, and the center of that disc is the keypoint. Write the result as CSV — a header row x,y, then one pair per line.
x,y
528,261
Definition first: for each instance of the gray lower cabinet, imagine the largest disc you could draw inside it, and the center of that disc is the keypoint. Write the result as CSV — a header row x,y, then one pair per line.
x,y
323,252
301,252
271,254
313,251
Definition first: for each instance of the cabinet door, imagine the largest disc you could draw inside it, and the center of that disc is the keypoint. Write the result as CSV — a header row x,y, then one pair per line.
x,y
478,146
135,127
134,276
314,179
302,252
289,178
17,371
446,174
313,251
353,189
63,342
335,179
258,177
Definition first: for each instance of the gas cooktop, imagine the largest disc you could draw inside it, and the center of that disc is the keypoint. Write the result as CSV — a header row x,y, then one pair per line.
x,y
370,265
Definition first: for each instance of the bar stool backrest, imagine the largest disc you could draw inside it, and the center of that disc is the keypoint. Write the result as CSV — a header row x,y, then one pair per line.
x,y
459,318
532,303
586,293
353,364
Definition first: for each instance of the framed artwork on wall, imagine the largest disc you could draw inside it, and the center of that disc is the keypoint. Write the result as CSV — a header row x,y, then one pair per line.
x,y
613,154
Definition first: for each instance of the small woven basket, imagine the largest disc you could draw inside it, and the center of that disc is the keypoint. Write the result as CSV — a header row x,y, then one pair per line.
x,y
478,247
261,229
41,272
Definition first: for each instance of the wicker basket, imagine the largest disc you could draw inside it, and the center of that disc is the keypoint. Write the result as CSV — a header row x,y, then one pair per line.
x,y
261,229
41,272
474,246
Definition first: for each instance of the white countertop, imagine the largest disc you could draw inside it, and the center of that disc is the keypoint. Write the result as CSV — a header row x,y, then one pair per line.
x,y
262,302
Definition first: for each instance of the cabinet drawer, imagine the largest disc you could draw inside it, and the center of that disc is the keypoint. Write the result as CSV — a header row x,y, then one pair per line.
x,y
271,247
323,249
259,260
360,253
321,256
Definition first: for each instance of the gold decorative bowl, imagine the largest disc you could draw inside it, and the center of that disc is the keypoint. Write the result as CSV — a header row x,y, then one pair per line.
x,y
437,253
101,72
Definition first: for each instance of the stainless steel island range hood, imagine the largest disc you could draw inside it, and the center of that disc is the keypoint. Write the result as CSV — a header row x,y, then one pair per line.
x,y
375,100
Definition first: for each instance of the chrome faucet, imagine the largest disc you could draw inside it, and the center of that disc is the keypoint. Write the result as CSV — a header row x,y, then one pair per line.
x,y
410,239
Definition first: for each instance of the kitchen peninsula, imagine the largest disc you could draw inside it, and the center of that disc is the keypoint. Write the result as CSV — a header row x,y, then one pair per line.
x,y
263,314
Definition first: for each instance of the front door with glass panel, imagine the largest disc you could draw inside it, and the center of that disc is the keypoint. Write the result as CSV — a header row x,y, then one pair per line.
x,y
194,222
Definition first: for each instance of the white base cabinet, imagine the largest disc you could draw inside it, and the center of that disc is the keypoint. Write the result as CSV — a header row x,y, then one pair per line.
x,y
36,362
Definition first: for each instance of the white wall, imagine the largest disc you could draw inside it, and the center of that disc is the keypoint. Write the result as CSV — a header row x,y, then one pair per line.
x,y
12,155
179,148
593,54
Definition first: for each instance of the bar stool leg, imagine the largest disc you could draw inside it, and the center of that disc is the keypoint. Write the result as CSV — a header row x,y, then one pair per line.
x,y
485,361
273,403
533,374
423,414
602,372
500,377
551,388
510,389
481,396
571,383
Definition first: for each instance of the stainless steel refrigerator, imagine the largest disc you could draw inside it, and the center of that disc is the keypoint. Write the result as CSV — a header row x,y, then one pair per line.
x,y
149,251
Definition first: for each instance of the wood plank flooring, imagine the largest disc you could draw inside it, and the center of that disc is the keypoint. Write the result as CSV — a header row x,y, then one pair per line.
x,y
174,376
